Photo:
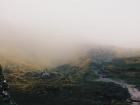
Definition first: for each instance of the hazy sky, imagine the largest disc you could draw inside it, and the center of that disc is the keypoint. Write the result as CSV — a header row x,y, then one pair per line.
x,y
115,22
52,25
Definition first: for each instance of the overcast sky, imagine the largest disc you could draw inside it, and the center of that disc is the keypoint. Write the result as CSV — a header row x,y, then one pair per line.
x,y
115,22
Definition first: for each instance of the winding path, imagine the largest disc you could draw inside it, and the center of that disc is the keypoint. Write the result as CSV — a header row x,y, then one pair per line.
x,y
134,92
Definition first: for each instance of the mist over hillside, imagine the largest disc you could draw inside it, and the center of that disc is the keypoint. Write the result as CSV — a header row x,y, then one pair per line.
x,y
53,32
59,55
44,48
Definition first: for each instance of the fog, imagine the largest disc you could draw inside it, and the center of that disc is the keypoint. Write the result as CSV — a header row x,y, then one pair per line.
x,y
47,31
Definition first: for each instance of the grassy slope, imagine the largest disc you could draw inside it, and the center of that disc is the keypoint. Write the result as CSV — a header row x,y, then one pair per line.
x,y
127,69
70,87
90,93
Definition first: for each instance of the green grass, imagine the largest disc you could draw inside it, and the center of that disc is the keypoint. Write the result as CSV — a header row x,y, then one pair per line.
x,y
89,93
126,69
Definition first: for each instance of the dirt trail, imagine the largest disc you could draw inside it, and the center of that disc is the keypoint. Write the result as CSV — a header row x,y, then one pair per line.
x,y
134,92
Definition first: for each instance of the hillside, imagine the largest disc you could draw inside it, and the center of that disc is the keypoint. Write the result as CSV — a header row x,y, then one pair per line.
x,y
127,69
73,80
